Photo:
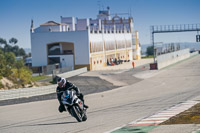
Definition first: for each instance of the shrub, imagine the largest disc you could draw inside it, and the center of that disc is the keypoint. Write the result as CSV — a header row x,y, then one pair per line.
x,y
22,75
1,85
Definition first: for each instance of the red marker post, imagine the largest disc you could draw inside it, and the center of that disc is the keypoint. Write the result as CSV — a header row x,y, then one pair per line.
x,y
133,64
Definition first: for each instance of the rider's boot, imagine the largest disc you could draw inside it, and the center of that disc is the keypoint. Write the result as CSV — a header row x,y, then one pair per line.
x,y
86,106
61,108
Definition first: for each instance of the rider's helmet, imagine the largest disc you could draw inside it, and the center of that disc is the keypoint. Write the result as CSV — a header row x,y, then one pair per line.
x,y
61,82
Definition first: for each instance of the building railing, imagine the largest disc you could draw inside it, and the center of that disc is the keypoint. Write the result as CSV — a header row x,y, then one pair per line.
x,y
63,53
109,31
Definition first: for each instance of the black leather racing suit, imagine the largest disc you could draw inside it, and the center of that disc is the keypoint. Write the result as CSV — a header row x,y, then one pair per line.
x,y
67,86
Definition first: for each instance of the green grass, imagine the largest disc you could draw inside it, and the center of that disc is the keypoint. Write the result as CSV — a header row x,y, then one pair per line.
x,y
37,78
147,57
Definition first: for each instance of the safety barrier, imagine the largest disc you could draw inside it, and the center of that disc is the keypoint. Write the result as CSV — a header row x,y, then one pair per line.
x,y
36,91
26,92
174,57
73,73
194,53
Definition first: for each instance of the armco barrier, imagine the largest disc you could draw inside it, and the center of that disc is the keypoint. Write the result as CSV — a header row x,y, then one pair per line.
x,y
36,91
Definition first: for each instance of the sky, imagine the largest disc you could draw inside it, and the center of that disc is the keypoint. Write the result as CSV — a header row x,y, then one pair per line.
x,y
16,16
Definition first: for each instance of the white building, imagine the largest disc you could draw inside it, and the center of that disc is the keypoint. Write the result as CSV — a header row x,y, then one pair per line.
x,y
84,42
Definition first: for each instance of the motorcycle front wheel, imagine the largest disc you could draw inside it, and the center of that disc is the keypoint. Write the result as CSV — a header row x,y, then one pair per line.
x,y
76,113
84,117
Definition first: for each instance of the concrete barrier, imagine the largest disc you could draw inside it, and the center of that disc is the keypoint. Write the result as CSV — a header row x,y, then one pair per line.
x,y
194,53
171,58
73,73
36,91
26,92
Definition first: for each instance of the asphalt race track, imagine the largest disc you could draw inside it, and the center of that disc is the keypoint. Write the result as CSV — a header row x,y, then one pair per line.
x,y
109,109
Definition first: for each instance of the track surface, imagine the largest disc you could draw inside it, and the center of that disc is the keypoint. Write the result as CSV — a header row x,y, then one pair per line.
x,y
109,109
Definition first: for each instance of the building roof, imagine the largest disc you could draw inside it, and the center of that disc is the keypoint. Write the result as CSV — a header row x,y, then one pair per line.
x,y
51,23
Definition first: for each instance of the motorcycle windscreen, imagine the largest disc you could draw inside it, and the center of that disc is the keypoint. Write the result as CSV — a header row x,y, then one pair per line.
x,y
66,98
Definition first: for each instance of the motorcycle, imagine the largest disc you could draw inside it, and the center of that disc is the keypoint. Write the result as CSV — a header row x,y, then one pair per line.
x,y
74,105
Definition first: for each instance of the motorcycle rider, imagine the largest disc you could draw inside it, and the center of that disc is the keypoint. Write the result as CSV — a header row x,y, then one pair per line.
x,y
64,85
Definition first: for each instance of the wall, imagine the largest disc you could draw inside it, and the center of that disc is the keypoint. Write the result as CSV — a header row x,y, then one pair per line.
x,y
114,38
98,58
171,58
49,69
194,53
67,61
67,46
40,40
70,21
82,24
119,23
55,28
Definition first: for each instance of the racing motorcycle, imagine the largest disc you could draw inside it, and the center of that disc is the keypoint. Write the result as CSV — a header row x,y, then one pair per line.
x,y
74,105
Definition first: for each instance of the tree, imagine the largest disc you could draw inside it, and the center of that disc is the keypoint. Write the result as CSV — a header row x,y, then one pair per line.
x,y
10,59
10,67
29,54
150,50
7,48
2,64
13,41
12,48
15,49
3,41
22,52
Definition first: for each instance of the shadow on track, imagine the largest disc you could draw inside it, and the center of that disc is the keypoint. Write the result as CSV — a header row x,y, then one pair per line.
x,y
41,124
47,124
57,123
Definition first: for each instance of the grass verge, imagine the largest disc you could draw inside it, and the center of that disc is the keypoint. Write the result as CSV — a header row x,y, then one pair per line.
x,y
147,57
38,78
190,116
